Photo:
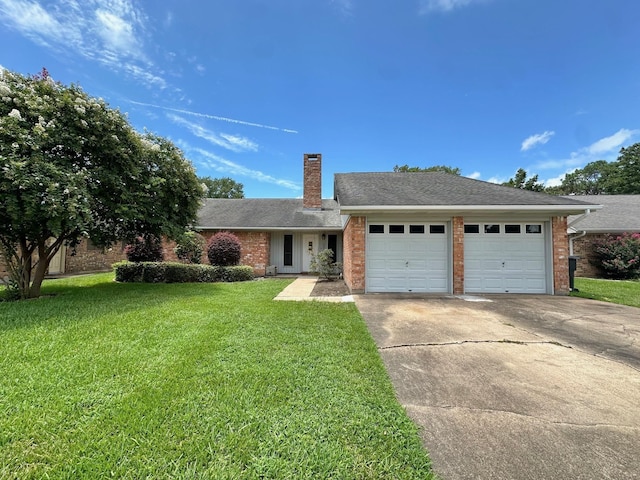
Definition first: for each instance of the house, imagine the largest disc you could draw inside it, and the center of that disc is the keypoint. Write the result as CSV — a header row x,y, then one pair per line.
x,y
619,214
408,232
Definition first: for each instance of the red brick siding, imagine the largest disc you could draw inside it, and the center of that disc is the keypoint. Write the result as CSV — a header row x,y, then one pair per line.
x,y
458,255
560,241
354,254
255,248
3,269
89,258
583,248
312,193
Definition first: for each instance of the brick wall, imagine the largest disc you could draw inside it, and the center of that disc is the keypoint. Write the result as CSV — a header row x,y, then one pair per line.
x,y
560,255
3,269
354,259
255,249
458,255
583,248
312,192
89,258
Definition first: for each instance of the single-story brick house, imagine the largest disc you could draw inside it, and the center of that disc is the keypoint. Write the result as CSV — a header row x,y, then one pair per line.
x,y
619,214
409,232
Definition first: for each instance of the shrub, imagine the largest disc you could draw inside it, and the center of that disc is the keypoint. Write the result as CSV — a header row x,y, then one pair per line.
x,y
146,248
618,256
189,247
128,272
323,265
224,249
161,272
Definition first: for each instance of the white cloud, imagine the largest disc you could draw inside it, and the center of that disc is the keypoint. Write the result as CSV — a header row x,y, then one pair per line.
x,y
110,32
116,33
344,6
604,149
230,142
428,6
498,180
215,117
223,165
611,143
474,175
537,139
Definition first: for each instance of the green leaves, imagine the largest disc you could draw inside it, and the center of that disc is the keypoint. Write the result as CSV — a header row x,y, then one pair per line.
x,y
72,166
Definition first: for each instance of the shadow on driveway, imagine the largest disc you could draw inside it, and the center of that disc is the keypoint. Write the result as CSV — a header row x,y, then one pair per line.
x,y
515,387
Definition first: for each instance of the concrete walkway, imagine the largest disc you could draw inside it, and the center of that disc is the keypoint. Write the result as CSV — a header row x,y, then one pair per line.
x,y
300,291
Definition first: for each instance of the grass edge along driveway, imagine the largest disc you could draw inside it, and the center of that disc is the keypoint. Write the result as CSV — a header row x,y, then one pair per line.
x,y
101,379
622,292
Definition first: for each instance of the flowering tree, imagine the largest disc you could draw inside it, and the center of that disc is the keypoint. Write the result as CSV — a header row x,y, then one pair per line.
x,y
72,167
618,255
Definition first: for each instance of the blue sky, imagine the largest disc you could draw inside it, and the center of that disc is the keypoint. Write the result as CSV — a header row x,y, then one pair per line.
x,y
246,87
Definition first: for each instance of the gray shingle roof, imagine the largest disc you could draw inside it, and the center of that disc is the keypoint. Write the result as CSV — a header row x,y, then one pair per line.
x,y
267,213
434,189
620,213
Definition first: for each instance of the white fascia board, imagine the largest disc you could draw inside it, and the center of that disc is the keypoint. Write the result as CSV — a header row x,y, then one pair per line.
x,y
269,229
563,209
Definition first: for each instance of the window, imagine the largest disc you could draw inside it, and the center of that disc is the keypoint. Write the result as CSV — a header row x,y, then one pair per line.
x,y
416,228
436,228
537,228
376,228
396,228
492,228
472,228
512,229
288,250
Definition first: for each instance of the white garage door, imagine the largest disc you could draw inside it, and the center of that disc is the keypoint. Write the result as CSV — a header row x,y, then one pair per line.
x,y
407,257
505,258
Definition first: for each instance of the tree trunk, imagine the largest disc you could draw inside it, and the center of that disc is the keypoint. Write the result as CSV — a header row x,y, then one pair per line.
x,y
44,258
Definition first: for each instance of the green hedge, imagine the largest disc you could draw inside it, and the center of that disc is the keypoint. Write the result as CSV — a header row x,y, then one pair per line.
x,y
167,272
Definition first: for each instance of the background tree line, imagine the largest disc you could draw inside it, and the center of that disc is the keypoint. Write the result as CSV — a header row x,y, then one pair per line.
x,y
620,177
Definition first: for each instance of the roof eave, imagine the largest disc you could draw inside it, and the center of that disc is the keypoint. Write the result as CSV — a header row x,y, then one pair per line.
x,y
556,209
326,228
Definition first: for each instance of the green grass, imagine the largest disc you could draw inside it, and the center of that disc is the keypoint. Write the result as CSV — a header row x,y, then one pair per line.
x,y
623,292
100,379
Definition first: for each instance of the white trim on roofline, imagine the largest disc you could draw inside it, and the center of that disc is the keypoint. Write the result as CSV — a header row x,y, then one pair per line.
x,y
269,229
564,209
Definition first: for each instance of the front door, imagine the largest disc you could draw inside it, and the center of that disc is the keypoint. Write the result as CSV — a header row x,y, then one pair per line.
x,y
309,250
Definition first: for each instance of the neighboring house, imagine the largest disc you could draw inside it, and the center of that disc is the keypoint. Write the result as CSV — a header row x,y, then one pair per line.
x,y
409,232
619,214
85,258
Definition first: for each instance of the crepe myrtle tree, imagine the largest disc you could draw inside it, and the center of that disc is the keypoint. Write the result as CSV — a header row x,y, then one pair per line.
x,y
72,167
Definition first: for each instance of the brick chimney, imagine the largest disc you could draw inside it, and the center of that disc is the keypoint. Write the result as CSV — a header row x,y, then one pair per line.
x,y
312,195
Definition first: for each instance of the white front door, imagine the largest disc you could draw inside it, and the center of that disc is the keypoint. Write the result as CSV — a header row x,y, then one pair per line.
x,y
309,249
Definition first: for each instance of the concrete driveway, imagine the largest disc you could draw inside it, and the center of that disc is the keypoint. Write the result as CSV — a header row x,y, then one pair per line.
x,y
515,387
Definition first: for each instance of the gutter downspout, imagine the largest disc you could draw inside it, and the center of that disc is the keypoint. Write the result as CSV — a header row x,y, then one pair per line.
x,y
576,220
572,238
584,232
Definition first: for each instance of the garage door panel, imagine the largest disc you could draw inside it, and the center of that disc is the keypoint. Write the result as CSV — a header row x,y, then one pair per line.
x,y
505,263
409,262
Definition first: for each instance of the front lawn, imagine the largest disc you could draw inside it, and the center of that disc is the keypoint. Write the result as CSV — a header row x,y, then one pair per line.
x,y
100,379
624,292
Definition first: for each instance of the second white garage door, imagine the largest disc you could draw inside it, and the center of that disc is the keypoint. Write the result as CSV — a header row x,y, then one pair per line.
x,y
505,258
407,257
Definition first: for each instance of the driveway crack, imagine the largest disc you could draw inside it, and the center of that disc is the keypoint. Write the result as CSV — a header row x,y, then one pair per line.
x,y
462,342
